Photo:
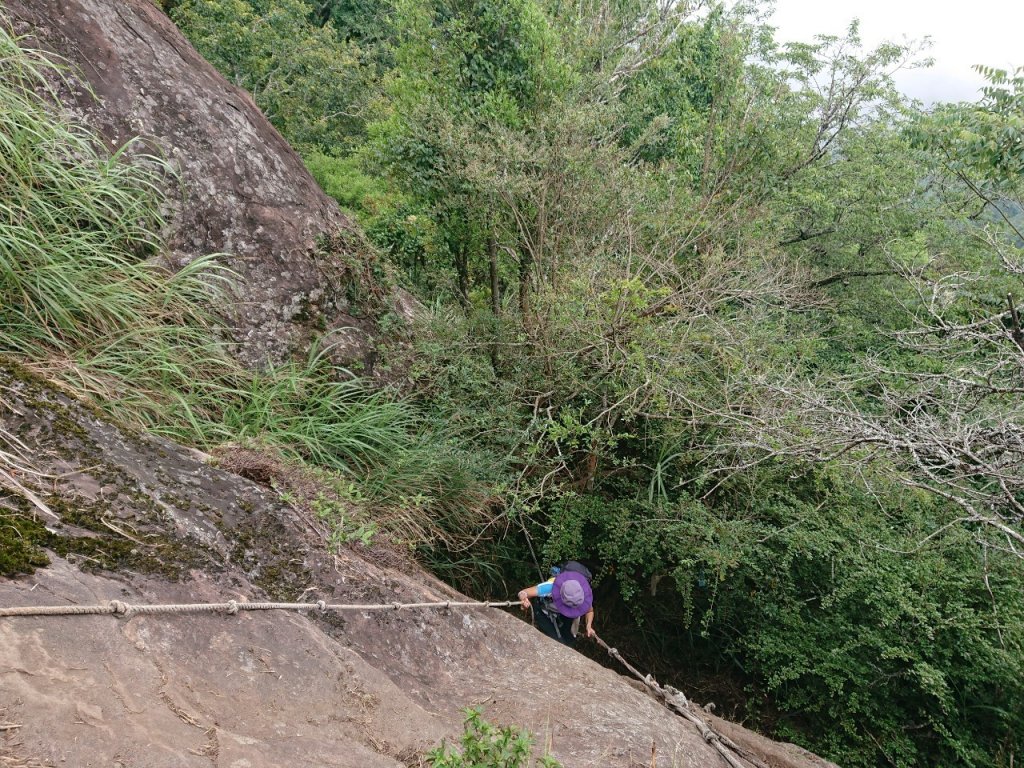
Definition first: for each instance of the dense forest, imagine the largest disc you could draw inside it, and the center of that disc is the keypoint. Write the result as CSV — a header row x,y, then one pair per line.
x,y
730,320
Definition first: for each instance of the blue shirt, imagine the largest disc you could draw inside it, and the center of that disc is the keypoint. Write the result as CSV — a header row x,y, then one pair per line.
x,y
544,590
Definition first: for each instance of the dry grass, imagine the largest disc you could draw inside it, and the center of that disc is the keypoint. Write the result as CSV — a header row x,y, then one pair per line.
x,y
17,474
10,746
321,500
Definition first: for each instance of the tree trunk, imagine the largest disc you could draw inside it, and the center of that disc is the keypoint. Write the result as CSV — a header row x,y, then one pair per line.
x,y
525,267
492,263
462,270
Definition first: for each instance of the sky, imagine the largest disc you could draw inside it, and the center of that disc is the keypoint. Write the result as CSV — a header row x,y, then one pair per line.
x,y
989,32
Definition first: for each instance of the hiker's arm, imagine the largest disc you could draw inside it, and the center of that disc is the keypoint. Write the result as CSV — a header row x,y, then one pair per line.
x,y
588,622
525,595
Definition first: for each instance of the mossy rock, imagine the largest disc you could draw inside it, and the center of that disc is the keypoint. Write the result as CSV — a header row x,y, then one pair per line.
x,y
22,539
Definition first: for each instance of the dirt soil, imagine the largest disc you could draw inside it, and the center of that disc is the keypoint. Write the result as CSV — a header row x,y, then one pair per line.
x,y
143,520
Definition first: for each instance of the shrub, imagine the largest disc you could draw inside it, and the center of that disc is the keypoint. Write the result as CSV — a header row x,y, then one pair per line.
x,y
487,746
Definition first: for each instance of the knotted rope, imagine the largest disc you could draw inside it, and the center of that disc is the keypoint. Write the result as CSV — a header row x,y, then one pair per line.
x,y
232,607
669,696
678,703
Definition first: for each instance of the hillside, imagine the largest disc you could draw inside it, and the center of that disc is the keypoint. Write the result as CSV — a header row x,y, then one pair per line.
x,y
392,301
147,522
125,516
238,188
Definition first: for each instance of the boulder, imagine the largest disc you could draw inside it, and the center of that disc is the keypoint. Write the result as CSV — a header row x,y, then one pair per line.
x,y
239,188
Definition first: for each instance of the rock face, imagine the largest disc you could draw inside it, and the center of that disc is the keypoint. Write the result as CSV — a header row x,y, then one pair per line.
x,y
145,521
241,190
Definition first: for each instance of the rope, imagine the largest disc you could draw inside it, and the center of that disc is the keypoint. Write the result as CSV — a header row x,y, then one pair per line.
x,y
678,703
669,696
232,607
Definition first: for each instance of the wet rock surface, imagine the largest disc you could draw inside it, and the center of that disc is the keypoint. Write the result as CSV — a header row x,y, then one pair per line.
x,y
265,689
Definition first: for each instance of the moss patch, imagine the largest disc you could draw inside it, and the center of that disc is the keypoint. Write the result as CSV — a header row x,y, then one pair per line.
x,y
262,548
22,539
107,549
110,553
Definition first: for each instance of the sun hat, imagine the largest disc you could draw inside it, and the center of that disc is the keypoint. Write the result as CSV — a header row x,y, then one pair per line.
x,y
571,594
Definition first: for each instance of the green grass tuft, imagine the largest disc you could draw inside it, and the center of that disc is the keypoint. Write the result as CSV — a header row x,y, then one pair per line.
x,y
85,302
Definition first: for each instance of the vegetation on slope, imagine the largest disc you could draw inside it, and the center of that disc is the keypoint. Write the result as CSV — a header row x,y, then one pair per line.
x,y
85,301
725,318
485,745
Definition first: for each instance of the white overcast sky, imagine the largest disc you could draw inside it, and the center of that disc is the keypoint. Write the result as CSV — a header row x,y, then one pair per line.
x,y
989,32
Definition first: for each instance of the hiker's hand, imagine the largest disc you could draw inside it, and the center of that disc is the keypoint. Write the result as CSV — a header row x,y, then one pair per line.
x,y
591,632
524,600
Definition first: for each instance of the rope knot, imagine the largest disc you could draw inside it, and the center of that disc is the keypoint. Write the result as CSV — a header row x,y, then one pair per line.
x,y
120,609
397,606
321,605
232,607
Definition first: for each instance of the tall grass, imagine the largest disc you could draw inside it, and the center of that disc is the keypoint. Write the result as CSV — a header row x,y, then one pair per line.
x,y
79,300
85,302
307,413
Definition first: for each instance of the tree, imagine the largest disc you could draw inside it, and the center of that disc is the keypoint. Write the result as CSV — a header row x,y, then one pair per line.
x,y
947,412
308,82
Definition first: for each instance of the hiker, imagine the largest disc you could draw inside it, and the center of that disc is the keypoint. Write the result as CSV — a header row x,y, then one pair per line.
x,y
560,601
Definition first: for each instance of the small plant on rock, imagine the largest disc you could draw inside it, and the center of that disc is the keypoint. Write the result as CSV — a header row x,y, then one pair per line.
x,y
487,746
